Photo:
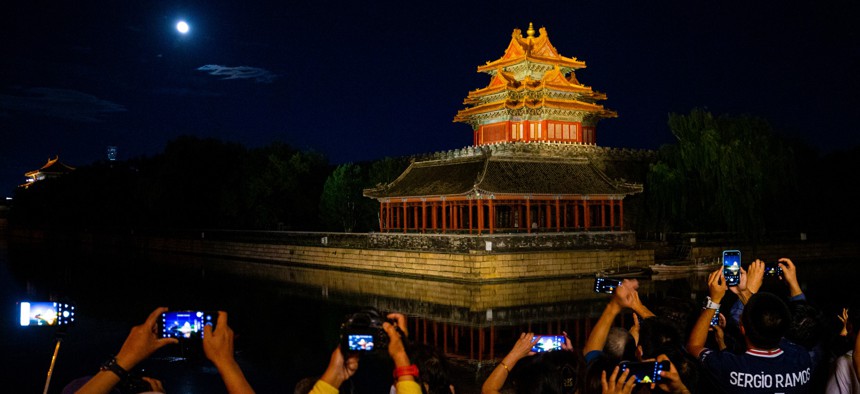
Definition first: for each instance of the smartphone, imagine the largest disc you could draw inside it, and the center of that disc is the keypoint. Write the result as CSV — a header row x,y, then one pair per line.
x,y
645,372
606,285
772,269
46,313
548,343
716,319
732,267
185,324
359,341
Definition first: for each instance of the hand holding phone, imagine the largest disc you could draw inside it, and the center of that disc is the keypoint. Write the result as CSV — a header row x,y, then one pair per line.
x,y
186,324
645,372
732,267
548,343
606,285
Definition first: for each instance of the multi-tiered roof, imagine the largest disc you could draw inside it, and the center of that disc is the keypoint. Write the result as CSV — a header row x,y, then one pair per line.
x,y
533,95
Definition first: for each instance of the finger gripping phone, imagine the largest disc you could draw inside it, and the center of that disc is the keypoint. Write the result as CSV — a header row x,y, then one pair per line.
x,y
606,285
645,372
548,343
185,324
46,313
772,269
732,267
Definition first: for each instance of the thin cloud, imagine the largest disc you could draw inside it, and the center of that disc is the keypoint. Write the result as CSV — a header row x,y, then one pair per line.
x,y
240,72
59,103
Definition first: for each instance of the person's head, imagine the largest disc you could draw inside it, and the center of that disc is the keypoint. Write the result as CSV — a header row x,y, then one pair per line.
x,y
765,320
656,333
620,345
807,327
554,372
433,368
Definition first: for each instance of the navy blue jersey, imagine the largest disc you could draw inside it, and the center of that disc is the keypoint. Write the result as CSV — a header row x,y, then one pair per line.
x,y
787,369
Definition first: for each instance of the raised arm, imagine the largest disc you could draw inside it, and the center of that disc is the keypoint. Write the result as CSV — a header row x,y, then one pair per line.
x,y
717,289
218,346
140,344
497,378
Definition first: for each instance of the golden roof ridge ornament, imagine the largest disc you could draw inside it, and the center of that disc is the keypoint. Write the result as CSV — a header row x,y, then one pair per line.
x,y
531,31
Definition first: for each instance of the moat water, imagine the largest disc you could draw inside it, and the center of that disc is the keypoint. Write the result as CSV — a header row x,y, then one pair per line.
x,y
287,319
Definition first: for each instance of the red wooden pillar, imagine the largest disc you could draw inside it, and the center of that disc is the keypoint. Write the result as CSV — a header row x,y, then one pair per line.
x,y
576,215
480,216
620,215
423,215
586,216
444,338
528,216
603,213
403,218
444,217
611,215
564,215
470,217
492,212
433,214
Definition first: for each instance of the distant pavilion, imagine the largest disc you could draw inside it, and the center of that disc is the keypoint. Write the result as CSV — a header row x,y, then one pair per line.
x,y
52,169
534,164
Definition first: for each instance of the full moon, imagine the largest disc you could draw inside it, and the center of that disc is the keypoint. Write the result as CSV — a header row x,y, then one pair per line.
x,y
182,27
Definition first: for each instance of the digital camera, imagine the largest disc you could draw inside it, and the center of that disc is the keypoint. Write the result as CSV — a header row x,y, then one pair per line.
x,y
362,332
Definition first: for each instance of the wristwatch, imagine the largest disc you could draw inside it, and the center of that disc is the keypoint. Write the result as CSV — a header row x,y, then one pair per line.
x,y
710,304
112,366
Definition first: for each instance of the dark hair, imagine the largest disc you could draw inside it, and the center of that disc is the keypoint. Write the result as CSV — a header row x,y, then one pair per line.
x,y
592,381
807,327
765,319
655,333
549,373
433,369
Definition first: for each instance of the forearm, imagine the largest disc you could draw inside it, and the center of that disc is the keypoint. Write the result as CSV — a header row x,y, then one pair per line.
x,y
497,378
597,339
234,379
102,383
699,334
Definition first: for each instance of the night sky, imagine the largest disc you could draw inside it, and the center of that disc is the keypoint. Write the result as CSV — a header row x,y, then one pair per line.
x,y
363,80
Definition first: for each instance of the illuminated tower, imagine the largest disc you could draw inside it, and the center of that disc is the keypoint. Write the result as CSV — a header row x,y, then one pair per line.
x,y
533,95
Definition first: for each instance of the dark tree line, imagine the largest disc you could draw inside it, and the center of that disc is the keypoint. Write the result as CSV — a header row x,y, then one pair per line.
x,y
735,175
194,183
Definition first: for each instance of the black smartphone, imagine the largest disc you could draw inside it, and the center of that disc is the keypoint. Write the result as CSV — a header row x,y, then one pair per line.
x,y
732,267
46,313
185,324
645,372
606,285
548,343
772,269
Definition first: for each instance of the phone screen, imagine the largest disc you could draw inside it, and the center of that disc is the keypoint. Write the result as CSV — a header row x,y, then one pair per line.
x,y
359,342
548,343
606,285
185,324
732,267
646,372
772,269
46,313
716,319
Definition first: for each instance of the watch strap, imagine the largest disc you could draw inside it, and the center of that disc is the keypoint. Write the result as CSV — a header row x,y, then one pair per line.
x,y
112,366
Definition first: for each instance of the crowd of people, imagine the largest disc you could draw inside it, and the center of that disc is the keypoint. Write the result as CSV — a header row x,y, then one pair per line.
x,y
758,336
